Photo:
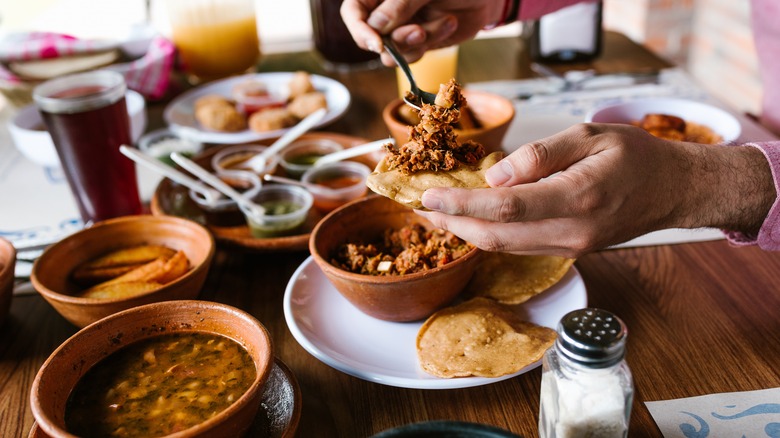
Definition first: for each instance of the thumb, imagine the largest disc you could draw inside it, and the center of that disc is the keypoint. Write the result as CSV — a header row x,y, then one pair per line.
x,y
542,158
391,14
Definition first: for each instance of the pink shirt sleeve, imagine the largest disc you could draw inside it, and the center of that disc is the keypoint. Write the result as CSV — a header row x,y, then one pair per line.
x,y
769,235
533,9
766,33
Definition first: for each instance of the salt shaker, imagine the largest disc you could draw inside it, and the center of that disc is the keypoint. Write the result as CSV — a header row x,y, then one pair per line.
x,y
586,384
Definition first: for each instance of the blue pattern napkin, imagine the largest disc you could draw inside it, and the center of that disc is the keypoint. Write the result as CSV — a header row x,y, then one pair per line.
x,y
748,414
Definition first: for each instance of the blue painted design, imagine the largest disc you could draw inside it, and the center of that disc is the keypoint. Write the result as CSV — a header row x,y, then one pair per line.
x,y
690,431
772,430
764,408
29,233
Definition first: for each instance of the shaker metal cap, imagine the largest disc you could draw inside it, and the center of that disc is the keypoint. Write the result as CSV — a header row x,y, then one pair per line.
x,y
592,337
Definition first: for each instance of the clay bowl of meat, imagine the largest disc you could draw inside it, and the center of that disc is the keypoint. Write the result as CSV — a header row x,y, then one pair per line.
x,y
486,119
181,368
401,284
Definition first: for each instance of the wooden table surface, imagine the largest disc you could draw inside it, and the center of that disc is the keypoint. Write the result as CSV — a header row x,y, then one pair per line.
x,y
703,317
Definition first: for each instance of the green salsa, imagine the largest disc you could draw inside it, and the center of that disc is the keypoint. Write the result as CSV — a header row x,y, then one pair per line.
x,y
280,207
304,159
159,386
274,224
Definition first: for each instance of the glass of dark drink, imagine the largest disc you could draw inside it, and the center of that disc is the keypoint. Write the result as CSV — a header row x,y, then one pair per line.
x,y
87,118
334,42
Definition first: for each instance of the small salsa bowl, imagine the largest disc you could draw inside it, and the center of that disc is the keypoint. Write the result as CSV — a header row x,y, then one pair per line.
x,y
62,371
225,212
51,273
409,297
300,156
287,208
341,182
231,159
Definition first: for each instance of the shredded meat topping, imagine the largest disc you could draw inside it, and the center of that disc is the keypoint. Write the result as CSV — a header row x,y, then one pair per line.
x,y
407,250
432,143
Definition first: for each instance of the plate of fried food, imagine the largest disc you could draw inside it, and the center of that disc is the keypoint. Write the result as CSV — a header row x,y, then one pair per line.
x,y
673,119
498,328
254,107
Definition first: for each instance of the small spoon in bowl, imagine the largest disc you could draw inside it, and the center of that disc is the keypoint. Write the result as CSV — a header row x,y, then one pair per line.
x,y
169,172
244,203
295,182
354,151
419,96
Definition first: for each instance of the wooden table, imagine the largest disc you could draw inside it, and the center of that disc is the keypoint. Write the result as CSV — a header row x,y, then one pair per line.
x,y
703,318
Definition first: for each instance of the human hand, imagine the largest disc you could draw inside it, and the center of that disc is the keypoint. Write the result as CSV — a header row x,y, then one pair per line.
x,y
417,25
616,182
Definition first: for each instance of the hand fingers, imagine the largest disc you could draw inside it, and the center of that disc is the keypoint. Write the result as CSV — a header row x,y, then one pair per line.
x,y
354,13
390,14
529,238
555,197
542,158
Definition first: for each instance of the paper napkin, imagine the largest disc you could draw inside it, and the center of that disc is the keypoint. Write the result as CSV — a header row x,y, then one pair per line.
x,y
731,414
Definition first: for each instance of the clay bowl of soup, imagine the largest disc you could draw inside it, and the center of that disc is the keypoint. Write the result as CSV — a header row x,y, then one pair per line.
x,y
490,117
412,286
178,368
176,271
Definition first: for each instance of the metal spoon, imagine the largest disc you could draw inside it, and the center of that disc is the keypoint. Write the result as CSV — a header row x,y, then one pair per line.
x,y
420,96
353,151
211,195
245,204
259,161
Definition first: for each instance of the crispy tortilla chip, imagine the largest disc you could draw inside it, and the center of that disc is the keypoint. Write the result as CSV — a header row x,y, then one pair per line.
x,y
480,338
514,279
408,189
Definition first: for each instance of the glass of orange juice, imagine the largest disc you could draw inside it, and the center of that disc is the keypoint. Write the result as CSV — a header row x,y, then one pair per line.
x,y
436,67
215,38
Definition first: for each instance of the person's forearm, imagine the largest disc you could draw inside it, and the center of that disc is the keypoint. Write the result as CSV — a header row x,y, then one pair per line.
x,y
729,187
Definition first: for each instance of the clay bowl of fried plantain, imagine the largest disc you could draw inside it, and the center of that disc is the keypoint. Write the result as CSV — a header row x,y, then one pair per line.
x,y
491,115
408,297
82,299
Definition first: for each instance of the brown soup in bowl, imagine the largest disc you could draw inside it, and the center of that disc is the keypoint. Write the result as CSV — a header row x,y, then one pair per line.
x,y
159,386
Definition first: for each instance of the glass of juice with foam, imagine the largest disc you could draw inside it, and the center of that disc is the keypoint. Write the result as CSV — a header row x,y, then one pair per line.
x,y
436,67
87,118
215,38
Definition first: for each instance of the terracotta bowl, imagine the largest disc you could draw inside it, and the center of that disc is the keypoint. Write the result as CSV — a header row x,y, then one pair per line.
x,y
493,112
63,369
7,265
51,272
408,297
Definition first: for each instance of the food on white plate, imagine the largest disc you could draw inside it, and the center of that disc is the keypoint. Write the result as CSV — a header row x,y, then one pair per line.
x,y
255,107
480,337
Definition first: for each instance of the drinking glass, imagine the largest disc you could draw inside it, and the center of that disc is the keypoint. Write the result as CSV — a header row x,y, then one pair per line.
x,y
436,67
334,42
215,38
87,118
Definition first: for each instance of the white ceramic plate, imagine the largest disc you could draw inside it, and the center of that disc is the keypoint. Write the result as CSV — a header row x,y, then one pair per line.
x,y
719,120
338,334
180,116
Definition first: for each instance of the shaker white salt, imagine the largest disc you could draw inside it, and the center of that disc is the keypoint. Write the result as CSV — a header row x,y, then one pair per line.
x,y
586,384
